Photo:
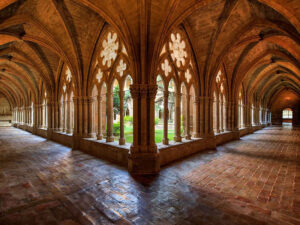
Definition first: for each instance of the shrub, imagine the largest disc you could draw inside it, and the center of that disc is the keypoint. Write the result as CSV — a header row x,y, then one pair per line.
x,y
128,119
156,121
116,128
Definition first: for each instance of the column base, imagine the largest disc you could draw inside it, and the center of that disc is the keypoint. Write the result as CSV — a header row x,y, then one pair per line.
x,y
143,163
196,135
165,141
99,137
92,135
178,139
188,137
110,139
122,141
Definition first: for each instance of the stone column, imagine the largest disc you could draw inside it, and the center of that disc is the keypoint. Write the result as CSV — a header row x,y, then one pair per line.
x,y
85,117
76,131
56,116
28,115
48,117
25,115
91,128
222,115
218,114
68,116
99,104
177,119
188,114
121,96
165,140
143,156
208,116
109,114
35,115
63,119
199,120
233,125
42,116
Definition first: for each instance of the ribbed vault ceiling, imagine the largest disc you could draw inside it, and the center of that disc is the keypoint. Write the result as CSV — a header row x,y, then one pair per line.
x,y
256,42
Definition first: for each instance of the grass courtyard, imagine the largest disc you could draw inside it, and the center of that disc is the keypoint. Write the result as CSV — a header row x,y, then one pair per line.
x,y
128,132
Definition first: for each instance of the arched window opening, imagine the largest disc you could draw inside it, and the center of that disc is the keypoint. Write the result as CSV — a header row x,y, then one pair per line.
x,y
100,117
219,104
116,109
71,112
160,112
241,111
171,109
224,127
128,110
114,103
260,115
252,116
215,113
287,114
32,113
95,107
221,114
66,103
193,110
174,104
44,113
184,111
61,114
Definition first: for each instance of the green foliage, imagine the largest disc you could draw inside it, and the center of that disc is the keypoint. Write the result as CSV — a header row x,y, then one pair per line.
x,y
156,121
116,100
128,119
116,128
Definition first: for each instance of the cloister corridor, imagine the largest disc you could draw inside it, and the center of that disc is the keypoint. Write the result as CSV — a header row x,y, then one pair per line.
x,y
255,180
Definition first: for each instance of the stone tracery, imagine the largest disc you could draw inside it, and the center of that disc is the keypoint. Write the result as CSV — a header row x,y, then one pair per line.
x,y
175,82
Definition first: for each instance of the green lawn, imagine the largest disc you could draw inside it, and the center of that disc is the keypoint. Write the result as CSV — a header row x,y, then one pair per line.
x,y
128,131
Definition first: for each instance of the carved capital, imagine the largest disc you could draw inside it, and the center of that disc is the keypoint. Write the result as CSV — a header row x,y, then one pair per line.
x,y
134,90
143,90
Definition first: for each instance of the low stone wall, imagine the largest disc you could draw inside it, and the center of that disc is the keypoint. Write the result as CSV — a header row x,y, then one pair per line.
x,y
178,151
245,131
62,138
42,132
109,151
226,137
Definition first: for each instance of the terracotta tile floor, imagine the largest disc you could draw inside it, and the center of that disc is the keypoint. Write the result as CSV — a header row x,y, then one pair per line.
x,y
252,181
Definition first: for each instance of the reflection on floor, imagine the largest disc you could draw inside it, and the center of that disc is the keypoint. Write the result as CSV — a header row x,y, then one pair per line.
x,y
252,181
